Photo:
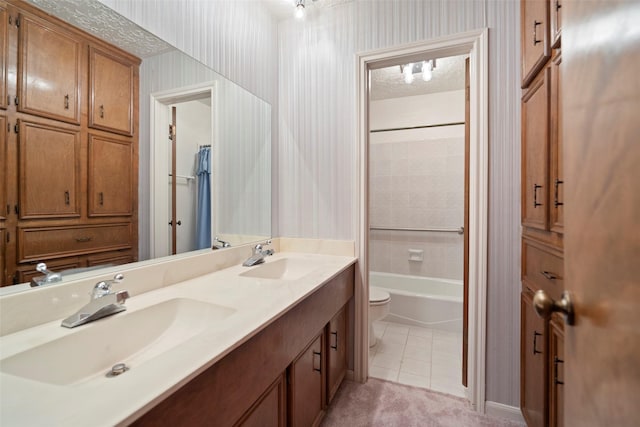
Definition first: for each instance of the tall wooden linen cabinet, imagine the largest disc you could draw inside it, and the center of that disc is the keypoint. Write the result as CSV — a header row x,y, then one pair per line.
x,y
541,347
69,145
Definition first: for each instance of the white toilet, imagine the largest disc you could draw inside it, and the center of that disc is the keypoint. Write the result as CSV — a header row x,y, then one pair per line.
x,y
378,309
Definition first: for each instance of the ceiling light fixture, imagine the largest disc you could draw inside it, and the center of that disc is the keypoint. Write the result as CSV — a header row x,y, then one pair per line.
x,y
299,9
424,67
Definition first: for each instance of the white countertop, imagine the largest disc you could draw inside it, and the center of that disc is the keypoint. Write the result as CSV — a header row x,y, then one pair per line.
x,y
105,401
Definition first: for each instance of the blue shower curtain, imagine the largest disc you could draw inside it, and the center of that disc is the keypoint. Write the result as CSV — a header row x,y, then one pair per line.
x,y
203,216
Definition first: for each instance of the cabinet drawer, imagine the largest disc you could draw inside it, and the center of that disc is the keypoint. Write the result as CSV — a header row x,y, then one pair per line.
x,y
542,270
55,242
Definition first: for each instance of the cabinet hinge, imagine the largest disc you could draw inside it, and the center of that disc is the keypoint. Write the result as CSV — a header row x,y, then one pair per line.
x,y
16,101
16,128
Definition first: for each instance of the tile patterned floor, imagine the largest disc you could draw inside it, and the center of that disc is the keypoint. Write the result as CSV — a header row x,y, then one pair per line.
x,y
417,356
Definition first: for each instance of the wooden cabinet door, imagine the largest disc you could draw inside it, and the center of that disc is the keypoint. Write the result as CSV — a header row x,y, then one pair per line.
x,y
306,393
110,173
269,410
111,91
556,202
3,56
49,171
533,364
49,71
336,352
3,265
534,41
555,11
3,167
535,153
556,373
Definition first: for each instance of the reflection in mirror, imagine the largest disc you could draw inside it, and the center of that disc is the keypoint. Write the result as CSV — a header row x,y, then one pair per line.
x,y
212,111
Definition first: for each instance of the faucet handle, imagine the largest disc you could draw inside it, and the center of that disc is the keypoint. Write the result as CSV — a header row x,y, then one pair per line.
x,y
42,268
103,287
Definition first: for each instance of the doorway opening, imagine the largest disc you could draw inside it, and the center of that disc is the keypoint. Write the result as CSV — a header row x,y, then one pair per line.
x,y
182,193
473,44
417,214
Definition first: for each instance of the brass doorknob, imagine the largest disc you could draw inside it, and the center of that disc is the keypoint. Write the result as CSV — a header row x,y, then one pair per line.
x,y
545,305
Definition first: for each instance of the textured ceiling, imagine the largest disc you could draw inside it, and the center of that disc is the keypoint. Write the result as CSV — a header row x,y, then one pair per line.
x,y
105,23
389,82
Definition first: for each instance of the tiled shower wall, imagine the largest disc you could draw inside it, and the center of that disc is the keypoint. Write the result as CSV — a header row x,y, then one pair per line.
x,y
417,182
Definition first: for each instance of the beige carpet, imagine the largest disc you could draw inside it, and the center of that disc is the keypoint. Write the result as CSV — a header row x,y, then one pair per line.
x,y
381,403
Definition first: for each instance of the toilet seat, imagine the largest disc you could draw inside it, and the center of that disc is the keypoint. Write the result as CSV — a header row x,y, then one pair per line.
x,y
378,296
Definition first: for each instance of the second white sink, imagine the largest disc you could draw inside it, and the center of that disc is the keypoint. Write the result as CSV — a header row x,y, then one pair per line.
x,y
130,338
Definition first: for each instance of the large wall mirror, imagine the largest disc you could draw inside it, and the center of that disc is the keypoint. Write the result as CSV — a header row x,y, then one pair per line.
x,y
192,121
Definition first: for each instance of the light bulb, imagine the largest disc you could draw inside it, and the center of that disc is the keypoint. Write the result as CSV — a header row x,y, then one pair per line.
x,y
427,73
408,73
299,9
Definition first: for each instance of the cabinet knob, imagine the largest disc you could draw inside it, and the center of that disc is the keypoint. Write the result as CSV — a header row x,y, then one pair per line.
x,y
545,305
66,102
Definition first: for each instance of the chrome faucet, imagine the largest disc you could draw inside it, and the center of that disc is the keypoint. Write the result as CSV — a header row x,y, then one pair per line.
x,y
219,243
103,303
49,277
258,254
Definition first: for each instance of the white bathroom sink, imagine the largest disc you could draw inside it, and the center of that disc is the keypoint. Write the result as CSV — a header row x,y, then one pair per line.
x,y
130,338
282,269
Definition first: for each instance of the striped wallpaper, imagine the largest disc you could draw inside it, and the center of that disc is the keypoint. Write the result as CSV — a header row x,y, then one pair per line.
x,y
306,71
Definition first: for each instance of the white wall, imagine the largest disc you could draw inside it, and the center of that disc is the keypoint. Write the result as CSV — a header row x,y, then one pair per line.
x,y
317,137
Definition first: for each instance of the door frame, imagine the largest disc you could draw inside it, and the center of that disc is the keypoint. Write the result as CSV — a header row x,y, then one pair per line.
x,y
159,120
476,45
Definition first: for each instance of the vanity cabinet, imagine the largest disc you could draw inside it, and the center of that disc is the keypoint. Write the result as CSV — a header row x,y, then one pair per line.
x,y
307,385
336,350
49,171
542,209
111,92
70,167
110,191
238,387
49,70
270,409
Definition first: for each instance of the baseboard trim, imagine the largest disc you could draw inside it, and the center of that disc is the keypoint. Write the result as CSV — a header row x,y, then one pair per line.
x,y
350,375
504,411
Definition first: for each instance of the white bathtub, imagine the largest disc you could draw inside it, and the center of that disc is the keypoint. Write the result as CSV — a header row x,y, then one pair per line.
x,y
422,301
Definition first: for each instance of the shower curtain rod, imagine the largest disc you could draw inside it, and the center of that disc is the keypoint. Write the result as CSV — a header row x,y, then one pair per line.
x,y
418,127
440,230
204,146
